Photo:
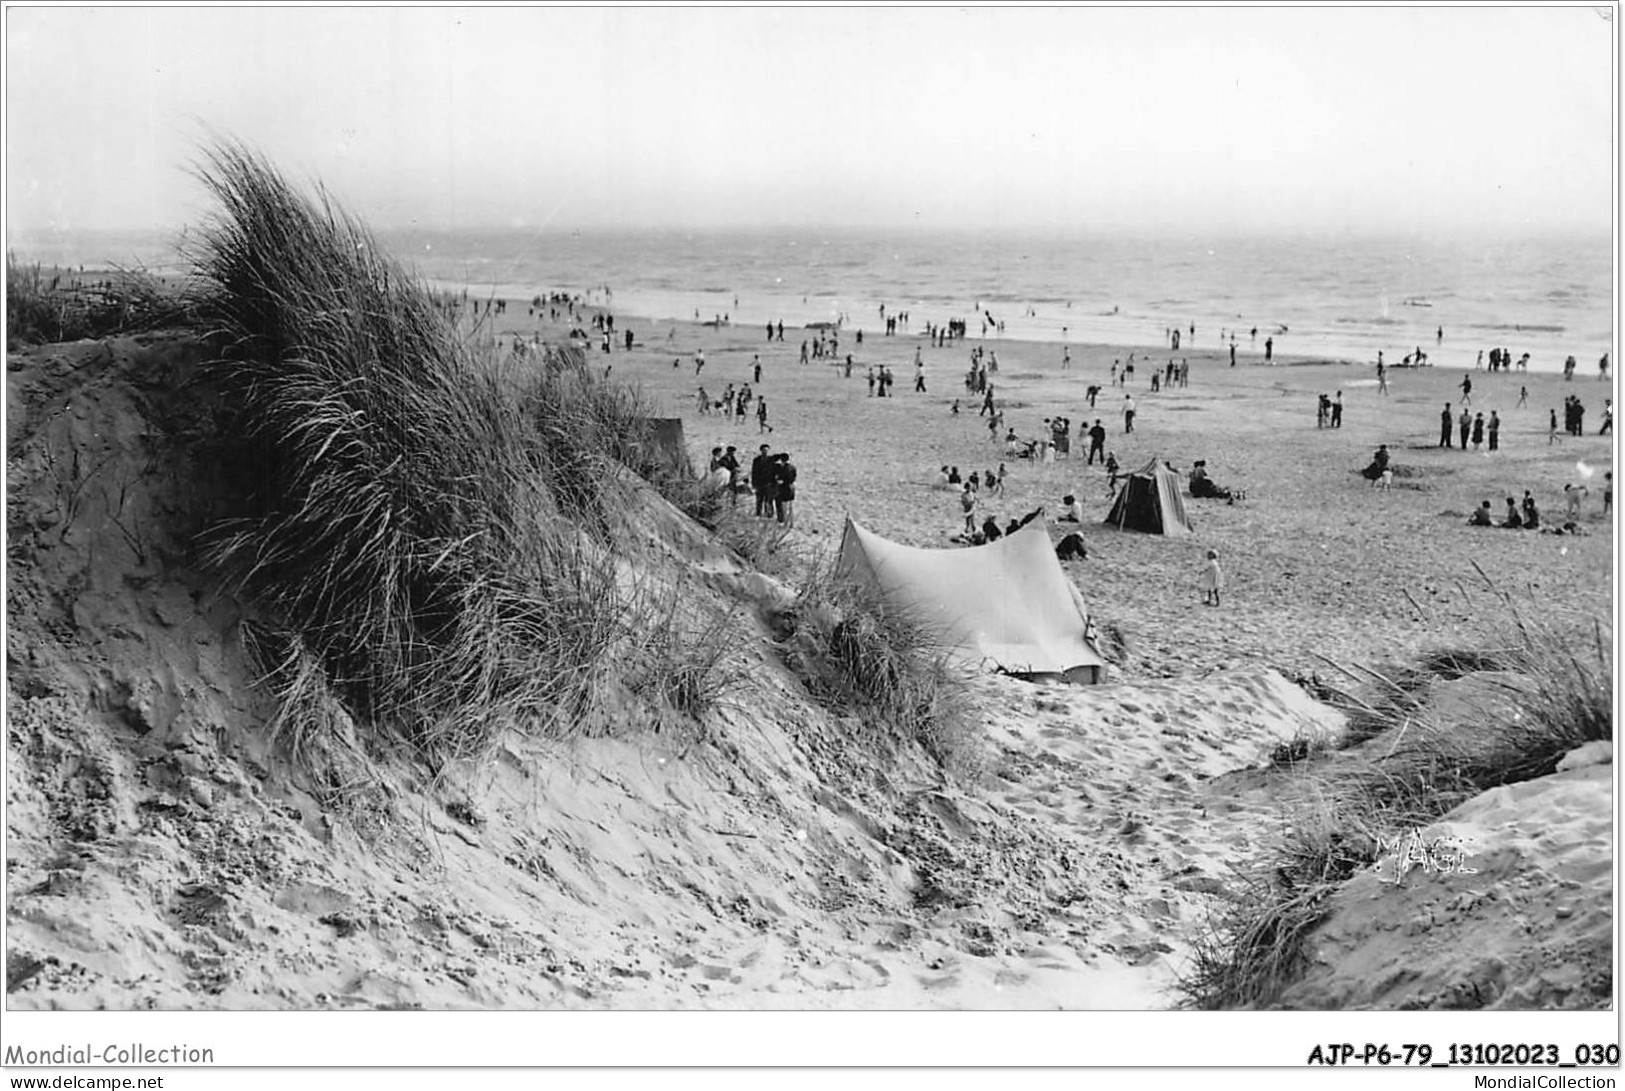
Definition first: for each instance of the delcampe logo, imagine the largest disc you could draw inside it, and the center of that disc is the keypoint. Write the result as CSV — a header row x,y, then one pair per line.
x,y
1444,855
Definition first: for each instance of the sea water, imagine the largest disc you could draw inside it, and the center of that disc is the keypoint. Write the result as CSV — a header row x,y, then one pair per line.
x,y
1339,296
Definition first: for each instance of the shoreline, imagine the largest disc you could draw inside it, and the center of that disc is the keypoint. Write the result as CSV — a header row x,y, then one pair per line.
x,y
1127,331
1091,319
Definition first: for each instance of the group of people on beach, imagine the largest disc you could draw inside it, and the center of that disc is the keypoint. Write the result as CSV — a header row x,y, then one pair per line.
x,y
1500,359
820,347
893,322
1473,428
970,500
1526,517
1569,365
772,480
1574,412
1329,411
881,380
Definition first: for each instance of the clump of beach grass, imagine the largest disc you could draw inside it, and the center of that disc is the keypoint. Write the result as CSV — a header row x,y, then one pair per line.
x,y
1548,692
402,512
861,656
687,659
43,308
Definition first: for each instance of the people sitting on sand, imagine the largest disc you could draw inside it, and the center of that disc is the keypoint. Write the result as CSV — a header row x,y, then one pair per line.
x,y
1378,466
1071,510
1531,513
1203,487
990,530
943,480
953,476
1071,548
1513,521
1481,516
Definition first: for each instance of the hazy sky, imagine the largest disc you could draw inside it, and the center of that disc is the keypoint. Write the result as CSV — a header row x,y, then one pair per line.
x,y
1388,118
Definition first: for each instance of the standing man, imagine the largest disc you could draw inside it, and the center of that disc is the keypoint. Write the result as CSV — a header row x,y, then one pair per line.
x,y
761,480
1097,442
1337,411
1128,413
1446,420
1466,423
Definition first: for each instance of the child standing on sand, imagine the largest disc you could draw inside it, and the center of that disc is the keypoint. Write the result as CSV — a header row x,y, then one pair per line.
x,y
1212,579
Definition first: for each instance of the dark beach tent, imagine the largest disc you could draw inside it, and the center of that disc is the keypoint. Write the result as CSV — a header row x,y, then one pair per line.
x,y
1149,500
1006,606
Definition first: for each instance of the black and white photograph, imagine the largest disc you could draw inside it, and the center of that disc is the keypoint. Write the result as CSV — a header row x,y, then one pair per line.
x,y
810,510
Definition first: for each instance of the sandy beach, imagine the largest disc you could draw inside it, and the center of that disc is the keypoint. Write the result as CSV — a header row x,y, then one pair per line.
x,y
1318,562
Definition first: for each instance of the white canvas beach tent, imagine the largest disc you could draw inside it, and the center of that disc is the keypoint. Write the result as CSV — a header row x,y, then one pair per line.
x,y
1005,606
